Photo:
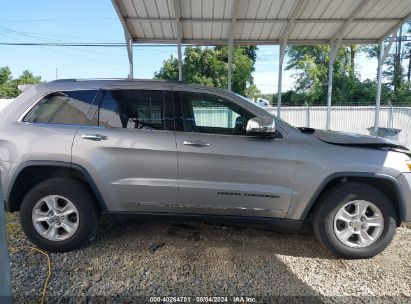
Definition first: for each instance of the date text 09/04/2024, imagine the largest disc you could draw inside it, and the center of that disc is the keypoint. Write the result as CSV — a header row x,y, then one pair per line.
x,y
203,299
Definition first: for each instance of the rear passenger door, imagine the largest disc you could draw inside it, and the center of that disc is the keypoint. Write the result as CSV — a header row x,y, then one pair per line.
x,y
129,149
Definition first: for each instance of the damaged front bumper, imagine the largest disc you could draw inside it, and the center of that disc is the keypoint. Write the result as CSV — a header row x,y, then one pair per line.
x,y
405,181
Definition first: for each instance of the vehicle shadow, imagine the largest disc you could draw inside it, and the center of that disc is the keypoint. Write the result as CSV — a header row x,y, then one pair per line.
x,y
130,261
246,236
193,258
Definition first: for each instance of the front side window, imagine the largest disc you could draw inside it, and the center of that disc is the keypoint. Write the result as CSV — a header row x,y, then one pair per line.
x,y
136,109
206,113
69,108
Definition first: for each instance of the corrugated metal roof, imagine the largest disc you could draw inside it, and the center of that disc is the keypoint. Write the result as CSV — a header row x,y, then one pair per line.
x,y
261,21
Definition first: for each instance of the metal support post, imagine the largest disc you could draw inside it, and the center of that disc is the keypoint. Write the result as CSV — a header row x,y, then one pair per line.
x,y
5,285
180,61
383,55
283,45
333,55
307,115
230,63
129,43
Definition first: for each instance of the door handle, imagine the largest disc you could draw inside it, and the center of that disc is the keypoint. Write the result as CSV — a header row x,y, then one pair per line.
x,y
95,137
196,143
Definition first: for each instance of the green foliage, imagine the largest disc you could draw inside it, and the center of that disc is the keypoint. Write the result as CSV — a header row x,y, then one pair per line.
x,y
252,92
6,90
311,66
209,66
291,98
397,89
272,98
8,85
5,75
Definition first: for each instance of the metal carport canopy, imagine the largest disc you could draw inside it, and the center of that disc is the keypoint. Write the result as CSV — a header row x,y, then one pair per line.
x,y
257,22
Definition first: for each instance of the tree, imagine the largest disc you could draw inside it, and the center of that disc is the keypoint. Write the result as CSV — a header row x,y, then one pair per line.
x,y
9,86
5,75
209,66
6,88
397,87
27,77
311,66
253,92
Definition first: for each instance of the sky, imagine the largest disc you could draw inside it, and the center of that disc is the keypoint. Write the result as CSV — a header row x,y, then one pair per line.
x,y
96,21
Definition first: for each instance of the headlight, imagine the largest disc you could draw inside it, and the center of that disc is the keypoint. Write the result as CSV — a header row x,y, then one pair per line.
x,y
409,164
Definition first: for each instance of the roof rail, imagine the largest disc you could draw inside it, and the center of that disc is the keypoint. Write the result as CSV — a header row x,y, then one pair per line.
x,y
125,79
25,87
65,80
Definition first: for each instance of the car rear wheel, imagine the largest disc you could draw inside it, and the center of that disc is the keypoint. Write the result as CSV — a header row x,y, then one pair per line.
x,y
355,220
59,214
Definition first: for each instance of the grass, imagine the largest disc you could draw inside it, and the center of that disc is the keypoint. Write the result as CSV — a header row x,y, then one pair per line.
x,y
13,226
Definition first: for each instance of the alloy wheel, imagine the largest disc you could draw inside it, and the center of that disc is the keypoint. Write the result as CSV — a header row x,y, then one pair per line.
x,y
55,218
358,224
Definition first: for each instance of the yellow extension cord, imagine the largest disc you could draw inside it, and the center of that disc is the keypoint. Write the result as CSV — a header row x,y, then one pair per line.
x,y
46,282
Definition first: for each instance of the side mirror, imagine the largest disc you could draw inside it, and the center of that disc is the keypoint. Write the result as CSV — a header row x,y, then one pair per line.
x,y
262,126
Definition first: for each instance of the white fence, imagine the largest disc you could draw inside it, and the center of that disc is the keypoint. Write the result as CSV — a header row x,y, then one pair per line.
x,y
354,119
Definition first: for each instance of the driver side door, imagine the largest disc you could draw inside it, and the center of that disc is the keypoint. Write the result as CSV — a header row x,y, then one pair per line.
x,y
220,169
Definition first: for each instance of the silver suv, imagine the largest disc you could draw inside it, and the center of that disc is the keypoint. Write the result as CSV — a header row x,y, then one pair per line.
x,y
72,149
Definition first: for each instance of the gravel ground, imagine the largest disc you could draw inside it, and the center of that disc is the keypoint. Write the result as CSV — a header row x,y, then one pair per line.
x,y
174,258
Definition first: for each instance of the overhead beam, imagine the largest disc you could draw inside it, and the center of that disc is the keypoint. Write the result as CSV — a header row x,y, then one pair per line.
x,y
322,21
285,31
396,27
335,44
177,14
339,33
213,42
128,37
231,43
122,19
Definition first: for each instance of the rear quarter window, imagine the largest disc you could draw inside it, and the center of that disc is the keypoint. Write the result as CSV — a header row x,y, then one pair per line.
x,y
64,107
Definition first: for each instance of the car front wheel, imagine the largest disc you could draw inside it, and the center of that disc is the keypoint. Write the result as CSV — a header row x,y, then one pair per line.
x,y
355,220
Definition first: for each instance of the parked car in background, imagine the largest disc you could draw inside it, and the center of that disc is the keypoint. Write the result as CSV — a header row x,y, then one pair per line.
x,y
262,102
73,149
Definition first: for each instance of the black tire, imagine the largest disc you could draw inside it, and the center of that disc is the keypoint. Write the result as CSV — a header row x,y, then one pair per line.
x,y
79,195
333,200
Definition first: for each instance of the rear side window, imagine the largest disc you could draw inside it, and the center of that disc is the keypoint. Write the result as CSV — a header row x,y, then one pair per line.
x,y
69,108
136,109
